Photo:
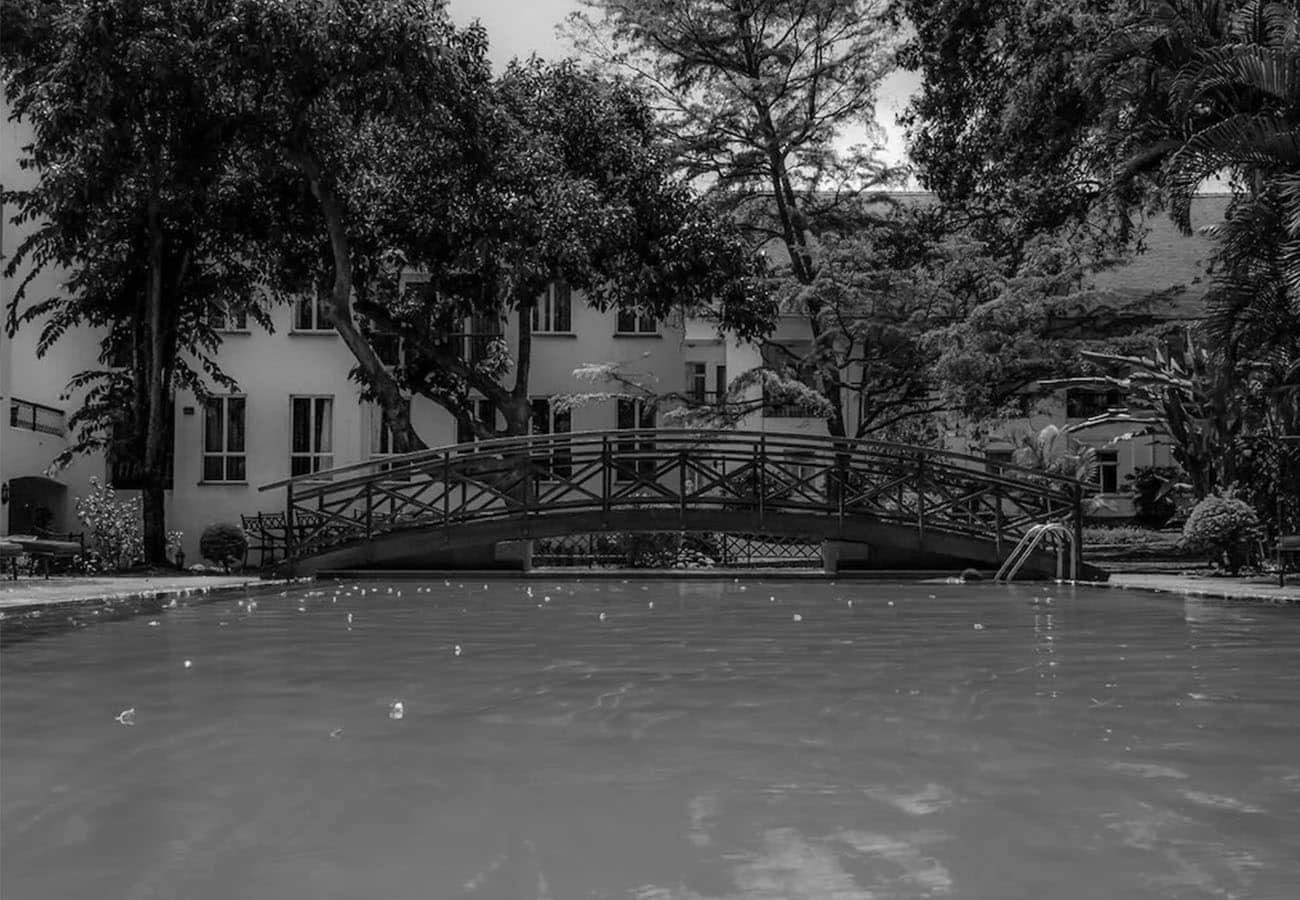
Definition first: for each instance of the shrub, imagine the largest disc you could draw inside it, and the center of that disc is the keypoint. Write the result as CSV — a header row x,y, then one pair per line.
x,y
1126,535
1224,528
1153,498
114,530
223,543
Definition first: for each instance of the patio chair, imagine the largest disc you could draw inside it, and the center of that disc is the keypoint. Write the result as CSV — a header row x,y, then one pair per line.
x,y
266,534
11,552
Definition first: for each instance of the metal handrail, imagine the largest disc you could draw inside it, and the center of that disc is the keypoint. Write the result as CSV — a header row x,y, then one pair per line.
x,y
753,473
1029,543
491,447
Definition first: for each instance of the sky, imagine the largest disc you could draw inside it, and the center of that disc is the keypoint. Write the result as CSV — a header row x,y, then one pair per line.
x,y
517,28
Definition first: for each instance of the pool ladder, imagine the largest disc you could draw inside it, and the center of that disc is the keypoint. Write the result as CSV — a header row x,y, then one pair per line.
x,y
1060,534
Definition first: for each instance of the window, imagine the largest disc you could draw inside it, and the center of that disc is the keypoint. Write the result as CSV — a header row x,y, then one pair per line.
x,y
1108,471
635,457
221,318
553,313
483,411
800,473
312,441
381,438
697,381
388,347
35,417
482,329
223,439
720,382
633,321
792,362
311,313
126,456
548,419
996,458
1084,403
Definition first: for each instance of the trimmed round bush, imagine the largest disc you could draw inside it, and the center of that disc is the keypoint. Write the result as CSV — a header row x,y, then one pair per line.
x,y
223,543
1223,528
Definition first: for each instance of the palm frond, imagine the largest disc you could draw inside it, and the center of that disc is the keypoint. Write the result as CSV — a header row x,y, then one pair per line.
x,y
1242,141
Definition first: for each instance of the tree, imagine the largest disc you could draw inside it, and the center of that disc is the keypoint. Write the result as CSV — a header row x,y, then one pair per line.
x,y
1011,128
573,189
327,85
140,198
753,94
419,161
1227,75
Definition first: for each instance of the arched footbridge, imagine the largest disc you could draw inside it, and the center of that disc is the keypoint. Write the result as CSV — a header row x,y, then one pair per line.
x,y
867,500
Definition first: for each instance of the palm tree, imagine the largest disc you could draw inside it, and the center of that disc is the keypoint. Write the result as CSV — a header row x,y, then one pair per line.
x,y
1211,88
1056,453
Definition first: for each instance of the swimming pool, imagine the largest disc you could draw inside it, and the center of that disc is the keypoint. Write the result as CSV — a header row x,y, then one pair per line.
x,y
655,740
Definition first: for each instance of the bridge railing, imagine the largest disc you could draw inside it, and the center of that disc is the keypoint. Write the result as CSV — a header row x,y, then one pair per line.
x,y
756,473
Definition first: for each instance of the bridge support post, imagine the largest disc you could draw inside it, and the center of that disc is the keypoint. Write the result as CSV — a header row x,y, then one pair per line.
x,y
1076,548
289,524
997,520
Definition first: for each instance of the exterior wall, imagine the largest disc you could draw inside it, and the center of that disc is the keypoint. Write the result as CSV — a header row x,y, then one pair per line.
x,y
270,368
25,454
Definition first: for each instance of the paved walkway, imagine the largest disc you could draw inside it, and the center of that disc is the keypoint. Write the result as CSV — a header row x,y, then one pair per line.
x,y
1241,588
29,592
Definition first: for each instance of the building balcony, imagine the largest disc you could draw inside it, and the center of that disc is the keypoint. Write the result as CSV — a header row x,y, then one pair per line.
x,y
36,417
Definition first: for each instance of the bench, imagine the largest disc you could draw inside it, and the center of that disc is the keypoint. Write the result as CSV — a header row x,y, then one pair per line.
x,y
45,546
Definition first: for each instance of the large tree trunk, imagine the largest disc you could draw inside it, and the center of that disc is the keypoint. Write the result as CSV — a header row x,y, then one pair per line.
x,y
153,487
397,408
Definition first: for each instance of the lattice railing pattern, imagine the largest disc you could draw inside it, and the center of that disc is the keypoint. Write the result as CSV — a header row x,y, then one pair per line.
x,y
674,550
758,475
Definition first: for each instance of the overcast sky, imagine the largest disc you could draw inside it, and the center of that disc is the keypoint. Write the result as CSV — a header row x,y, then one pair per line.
x,y
521,27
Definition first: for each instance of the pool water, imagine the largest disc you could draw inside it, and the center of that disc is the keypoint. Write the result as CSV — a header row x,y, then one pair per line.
x,y
657,740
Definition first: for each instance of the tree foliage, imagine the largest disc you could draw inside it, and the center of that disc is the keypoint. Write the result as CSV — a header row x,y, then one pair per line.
x,y
754,94
142,200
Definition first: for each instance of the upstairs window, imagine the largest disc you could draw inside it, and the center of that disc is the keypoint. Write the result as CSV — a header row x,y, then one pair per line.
x,y
311,313
388,347
1084,403
222,318
553,313
634,321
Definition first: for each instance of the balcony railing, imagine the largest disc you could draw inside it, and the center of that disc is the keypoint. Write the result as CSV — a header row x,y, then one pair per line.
x,y
789,411
35,417
705,398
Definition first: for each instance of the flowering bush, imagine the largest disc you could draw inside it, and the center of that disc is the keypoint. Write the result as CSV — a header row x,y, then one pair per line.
x,y
224,544
114,530
1223,527
174,539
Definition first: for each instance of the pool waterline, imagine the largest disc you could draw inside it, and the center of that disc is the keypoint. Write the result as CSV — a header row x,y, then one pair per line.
x,y
1108,743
